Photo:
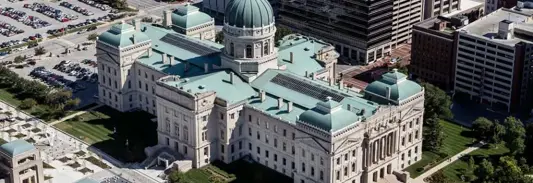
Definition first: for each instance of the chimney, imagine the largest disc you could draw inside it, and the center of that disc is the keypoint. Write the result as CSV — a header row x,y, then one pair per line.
x,y
280,103
231,77
133,38
167,20
150,51
313,76
171,61
388,92
330,81
341,84
137,24
165,58
206,67
306,74
291,58
262,95
289,106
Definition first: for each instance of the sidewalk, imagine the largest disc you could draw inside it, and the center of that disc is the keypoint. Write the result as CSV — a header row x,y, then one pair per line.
x,y
420,179
74,115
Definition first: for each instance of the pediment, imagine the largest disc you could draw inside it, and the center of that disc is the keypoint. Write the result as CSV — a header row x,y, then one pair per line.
x,y
349,142
412,111
312,142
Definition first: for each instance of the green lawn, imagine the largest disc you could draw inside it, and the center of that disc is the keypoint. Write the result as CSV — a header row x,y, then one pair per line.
x,y
40,111
242,171
457,168
456,140
96,128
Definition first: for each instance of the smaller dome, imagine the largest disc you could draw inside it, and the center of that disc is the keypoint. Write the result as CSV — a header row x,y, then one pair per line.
x,y
122,35
188,16
329,116
249,13
393,85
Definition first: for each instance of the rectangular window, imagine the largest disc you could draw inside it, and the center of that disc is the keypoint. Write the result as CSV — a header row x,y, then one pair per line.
x,y
222,148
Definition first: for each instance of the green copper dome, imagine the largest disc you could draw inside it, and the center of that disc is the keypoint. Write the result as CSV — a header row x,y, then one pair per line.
x,y
122,35
188,16
329,116
249,13
393,85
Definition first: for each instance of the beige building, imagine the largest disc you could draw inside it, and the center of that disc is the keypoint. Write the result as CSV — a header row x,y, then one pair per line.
x,y
279,106
22,162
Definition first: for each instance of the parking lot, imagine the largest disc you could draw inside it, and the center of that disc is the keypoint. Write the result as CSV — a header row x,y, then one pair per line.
x,y
83,88
42,16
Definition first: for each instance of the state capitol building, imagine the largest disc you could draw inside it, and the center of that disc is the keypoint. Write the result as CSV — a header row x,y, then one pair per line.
x,y
278,104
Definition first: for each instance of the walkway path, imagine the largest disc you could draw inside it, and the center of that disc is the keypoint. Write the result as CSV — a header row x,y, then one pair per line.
x,y
420,179
74,115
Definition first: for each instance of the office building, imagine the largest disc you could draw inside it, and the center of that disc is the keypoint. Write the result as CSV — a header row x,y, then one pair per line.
x,y
362,32
493,64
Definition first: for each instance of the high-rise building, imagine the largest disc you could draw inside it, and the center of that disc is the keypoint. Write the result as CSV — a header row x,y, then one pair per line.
x,y
494,59
433,51
22,162
362,32
434,8
280,106
493,5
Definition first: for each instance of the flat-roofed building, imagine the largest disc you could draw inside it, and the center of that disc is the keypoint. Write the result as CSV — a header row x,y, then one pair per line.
x,y
493,62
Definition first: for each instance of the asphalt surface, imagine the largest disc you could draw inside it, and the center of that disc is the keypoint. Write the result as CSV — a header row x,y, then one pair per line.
x,y
30,31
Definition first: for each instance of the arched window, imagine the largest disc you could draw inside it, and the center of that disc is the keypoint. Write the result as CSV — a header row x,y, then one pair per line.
x,y
231,49
266,48
248,51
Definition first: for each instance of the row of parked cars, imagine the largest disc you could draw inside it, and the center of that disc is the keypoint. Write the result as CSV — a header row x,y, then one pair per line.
x,y
73,26
8,30
103,7
24,18
76,8
56,80
51,12
74,69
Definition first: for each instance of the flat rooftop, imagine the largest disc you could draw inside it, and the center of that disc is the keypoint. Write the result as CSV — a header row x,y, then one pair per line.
x,y
487,26
466,5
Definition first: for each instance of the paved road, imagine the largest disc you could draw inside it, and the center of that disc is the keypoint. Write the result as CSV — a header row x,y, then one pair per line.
x,y
420,179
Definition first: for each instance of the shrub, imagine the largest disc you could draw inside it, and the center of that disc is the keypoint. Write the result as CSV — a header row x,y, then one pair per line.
x,y
420,169
28,103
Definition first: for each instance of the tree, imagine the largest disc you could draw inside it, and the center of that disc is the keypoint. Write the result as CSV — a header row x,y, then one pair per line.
x,y
482,128
484,172
219,38
59,99
28,103
438,177
514,135
498,131
433,135
469,174
92,37
280,33
39,50
436,102
177,176
19,59
72,103
508,170
529,142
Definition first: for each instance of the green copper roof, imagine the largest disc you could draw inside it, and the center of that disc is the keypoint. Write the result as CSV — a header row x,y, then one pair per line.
x,y
269,106
303,51
400,87
329,116
16,147
188,16
219,82
122,35
249,13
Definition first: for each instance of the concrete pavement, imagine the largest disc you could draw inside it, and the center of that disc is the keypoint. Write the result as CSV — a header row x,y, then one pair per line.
x,y
420,179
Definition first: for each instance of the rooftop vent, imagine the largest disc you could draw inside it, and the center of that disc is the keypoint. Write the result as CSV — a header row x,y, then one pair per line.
x,y
201,87
505,29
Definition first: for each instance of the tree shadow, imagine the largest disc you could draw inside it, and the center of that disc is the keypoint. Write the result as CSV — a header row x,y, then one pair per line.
x,y
247,172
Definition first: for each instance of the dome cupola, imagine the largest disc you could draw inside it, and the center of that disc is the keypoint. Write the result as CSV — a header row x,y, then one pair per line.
x,y
249,13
